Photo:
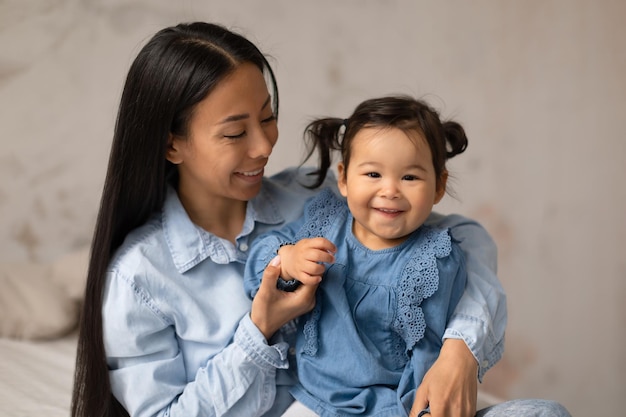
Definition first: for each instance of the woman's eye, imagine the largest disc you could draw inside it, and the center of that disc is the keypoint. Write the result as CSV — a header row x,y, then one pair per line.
x,y
237,136
269,119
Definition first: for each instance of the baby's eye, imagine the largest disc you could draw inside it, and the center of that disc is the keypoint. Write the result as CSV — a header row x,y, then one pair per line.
x,y
410,178
373,174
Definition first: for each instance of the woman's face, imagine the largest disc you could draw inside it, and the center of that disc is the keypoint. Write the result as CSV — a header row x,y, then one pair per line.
x,y
231,135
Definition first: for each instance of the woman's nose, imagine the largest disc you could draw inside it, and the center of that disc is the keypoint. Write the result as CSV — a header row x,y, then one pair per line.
x,y
261,145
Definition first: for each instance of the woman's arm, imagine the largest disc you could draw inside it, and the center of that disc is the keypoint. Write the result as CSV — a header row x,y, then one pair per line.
x,y
481,315
449,388
474,338
152,376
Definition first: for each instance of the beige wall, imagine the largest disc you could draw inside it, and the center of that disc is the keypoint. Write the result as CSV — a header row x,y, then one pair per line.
x,y
539,85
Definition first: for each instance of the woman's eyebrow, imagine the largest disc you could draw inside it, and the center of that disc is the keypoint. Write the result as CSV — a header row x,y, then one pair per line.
x,y
236,117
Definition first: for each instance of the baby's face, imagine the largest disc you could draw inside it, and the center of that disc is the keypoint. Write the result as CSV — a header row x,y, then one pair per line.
x,y
390,185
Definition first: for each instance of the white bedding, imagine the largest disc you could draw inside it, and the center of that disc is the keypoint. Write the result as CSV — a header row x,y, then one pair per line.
x,y
36,379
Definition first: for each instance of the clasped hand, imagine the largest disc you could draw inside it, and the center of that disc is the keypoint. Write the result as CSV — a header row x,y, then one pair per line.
x,y
304,261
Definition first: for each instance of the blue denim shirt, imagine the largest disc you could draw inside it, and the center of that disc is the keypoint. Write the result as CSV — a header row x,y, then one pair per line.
x,y
178,337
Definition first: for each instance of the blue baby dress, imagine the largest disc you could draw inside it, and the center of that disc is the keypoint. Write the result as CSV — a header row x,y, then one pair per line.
x,y
380,315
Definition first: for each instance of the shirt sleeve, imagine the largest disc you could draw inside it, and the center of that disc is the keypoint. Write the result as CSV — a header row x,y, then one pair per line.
x,y
148,374
481,315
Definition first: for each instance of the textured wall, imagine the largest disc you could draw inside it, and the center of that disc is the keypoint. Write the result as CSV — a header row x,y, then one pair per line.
x,y
539,85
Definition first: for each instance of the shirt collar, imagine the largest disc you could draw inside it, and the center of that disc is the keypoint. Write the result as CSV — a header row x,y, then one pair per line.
x,y
264,209
189,244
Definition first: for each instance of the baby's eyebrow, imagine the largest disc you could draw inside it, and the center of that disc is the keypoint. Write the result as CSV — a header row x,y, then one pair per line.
x,y
419,167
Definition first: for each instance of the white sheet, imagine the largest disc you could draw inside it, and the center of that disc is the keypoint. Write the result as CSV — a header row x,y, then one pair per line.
x,y
36,379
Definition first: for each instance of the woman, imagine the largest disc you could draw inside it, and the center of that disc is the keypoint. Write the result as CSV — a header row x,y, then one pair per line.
x,y
166,327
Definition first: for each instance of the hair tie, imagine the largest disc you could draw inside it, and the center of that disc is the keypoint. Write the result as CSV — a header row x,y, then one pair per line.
x,y
345,122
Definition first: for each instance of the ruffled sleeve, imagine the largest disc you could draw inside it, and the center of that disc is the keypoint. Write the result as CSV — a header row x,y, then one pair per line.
x,y
320,214
317,219
419,280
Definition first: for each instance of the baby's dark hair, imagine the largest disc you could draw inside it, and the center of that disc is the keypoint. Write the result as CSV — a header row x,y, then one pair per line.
x,y
326,135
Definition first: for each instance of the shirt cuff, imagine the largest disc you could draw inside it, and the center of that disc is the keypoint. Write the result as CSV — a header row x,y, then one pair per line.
x,y
250,339
485,360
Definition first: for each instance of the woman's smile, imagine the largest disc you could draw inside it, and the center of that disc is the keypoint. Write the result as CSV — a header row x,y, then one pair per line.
x,y
251,176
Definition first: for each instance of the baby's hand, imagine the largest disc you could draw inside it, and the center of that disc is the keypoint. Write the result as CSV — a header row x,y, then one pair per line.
x,y
304,261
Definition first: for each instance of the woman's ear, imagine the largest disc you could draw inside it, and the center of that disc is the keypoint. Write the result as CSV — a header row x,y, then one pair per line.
x,y
441,186
341,179
172,153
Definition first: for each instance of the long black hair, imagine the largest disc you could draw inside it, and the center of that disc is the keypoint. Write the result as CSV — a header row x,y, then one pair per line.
x,y
177,68
327,135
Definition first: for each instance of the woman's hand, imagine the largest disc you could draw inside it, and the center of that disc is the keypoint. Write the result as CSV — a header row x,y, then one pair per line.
x,y
272,308
450,386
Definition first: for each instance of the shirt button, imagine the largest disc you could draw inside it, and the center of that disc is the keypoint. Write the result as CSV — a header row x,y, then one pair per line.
x,y
292,351
485,363
243,247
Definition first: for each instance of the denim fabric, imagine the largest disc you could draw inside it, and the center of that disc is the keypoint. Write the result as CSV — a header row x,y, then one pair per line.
x,y
525,408
480,317
519,408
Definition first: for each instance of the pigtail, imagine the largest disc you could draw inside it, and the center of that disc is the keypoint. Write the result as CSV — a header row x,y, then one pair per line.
x,y
456,140
323,136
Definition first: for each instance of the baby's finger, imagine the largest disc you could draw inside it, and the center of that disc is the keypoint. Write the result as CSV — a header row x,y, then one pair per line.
x,y
322,256
314,270
323,244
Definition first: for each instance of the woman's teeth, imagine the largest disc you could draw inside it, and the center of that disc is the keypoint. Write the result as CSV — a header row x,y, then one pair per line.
x,y
252,173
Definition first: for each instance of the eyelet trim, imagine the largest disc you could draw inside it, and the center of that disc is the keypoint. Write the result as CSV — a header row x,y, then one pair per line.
x,y
419,280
